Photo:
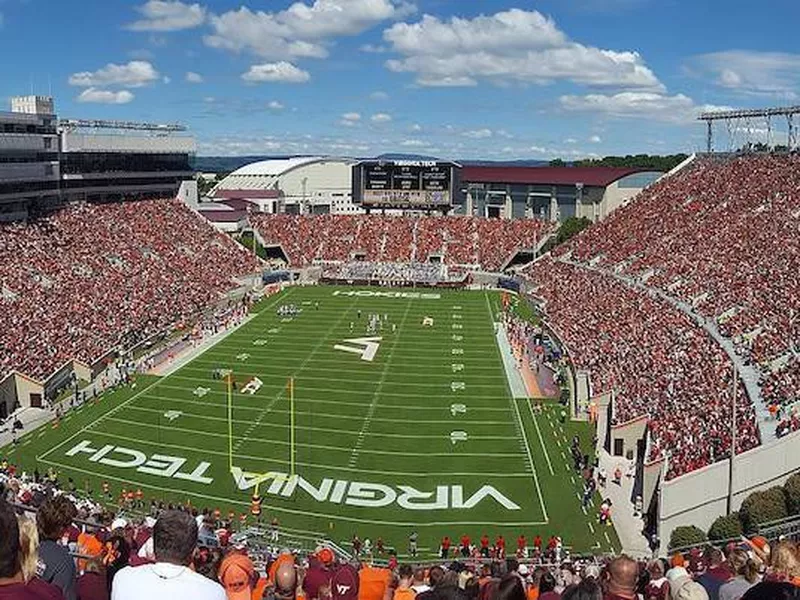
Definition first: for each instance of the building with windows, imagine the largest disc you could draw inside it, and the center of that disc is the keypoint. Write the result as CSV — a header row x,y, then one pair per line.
x,y
299,185
550,193
44,161
29,165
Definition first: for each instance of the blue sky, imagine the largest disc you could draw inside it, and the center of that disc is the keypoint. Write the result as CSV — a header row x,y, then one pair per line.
x,y
497,79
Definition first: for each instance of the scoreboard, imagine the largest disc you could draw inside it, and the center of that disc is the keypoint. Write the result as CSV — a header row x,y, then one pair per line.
x,y
406,183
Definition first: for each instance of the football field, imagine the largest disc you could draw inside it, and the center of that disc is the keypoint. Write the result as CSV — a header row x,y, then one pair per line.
x,y
408,427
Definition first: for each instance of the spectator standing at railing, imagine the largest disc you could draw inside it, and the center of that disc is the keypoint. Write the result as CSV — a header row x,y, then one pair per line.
x,y
53,520
174,541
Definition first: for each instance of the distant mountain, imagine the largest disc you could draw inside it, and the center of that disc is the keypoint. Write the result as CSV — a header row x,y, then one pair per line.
x,y
226,164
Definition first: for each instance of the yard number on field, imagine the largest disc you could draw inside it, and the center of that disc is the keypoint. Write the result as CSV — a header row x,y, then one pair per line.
x,y
172,414
458,436
201,391
456,409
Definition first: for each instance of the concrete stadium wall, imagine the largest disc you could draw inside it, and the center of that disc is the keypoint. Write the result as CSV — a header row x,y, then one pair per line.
x,y
628,434
699,497
617,194
324,179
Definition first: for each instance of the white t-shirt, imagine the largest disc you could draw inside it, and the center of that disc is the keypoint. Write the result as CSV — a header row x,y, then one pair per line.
x,y
164,580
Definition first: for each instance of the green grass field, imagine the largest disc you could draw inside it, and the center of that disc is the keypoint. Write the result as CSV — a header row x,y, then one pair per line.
x,y
382,447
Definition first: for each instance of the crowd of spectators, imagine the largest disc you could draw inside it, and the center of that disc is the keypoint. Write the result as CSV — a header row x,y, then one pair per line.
x,y
723,236
657,361
477,242
89,278
65,551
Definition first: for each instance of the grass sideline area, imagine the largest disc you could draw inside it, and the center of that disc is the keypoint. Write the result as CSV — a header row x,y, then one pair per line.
x,y
424,437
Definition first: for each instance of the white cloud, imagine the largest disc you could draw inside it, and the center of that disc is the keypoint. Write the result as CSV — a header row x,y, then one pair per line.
x,y
301,30
350,119
374,49
679,109
279,72
416,127
136,73
570,141
379,95
192,77
275,105
478,134
750,72
381,118
166,79
414,144
510,46
595,139
98,96
160,15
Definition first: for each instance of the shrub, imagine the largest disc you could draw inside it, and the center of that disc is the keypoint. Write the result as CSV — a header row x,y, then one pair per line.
x,y
792,490
762,507
686,535
725,528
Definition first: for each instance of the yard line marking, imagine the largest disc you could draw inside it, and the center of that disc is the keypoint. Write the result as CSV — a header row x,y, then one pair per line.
x,y
378,434
322,340
591,527
583,508
353,392
311,465
334,448
371,410
280,297
315,413
608,539
519,420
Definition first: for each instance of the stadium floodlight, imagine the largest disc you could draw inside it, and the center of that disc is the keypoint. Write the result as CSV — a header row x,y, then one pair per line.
x,y
732,117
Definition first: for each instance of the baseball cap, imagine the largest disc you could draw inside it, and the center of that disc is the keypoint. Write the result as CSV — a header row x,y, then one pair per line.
x,y
344,583
325,555
236,575
119,523
523,570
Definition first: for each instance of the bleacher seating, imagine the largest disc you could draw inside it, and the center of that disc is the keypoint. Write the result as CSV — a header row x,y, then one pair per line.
x,y
91,277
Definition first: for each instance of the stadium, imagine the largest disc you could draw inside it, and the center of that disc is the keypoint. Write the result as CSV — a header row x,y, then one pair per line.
x,y
399,359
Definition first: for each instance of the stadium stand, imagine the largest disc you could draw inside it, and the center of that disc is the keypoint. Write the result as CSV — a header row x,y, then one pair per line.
x,y
483,243
115,273
719,235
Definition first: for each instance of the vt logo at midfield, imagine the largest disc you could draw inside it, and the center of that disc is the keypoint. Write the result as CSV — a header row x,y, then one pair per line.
x,y
367,347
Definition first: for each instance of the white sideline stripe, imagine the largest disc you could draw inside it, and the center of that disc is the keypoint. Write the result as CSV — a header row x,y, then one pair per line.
x,y
282,427
177,492
541,441
108,413
519,423
327,447
312,465
330,416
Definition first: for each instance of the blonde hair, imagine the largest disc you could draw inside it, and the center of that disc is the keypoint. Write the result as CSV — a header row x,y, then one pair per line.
x,y
743,565
28,547
785,560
